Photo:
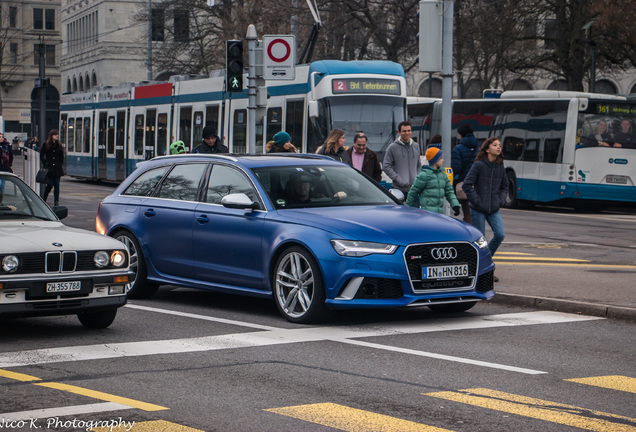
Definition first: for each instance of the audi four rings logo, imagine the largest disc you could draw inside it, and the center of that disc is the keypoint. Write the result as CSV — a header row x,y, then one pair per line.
x,y
444,253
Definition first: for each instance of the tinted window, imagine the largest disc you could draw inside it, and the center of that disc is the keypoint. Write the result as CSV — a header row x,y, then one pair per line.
x,y
182,183
224,181
145,183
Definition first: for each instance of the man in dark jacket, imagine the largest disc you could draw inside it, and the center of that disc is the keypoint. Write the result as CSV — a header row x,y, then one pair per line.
x,y
6,154
462,158
364,159
211,142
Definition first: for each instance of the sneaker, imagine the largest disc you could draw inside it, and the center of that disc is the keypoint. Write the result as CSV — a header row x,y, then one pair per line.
x,y
496,279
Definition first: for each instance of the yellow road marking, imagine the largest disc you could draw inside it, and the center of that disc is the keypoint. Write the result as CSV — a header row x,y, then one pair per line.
x,y
539,259
102,396
148,426
515,253
608,266
17,376
540,409
351,419
614,382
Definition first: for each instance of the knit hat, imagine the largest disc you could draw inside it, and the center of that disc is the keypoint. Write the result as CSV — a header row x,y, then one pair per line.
x,y
433,154
208,131
281,138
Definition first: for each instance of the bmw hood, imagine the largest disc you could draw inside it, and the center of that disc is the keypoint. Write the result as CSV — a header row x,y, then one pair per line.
x,y
400,225
20,237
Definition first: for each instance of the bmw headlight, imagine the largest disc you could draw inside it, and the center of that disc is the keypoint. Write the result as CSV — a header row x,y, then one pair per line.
x,y
101,258
354,248
481,242
10,263
118,258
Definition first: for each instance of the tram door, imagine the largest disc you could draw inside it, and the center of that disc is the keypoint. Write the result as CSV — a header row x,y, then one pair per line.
x,y
120,146
101,146
150,134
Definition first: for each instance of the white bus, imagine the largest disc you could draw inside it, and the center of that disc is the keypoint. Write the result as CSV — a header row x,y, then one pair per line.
x,y
551,143
108,130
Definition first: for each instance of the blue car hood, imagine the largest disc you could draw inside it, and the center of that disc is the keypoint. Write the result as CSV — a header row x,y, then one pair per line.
x,y
400,225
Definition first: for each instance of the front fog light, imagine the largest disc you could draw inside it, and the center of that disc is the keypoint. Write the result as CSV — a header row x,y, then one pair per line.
x,y
10,263
101,259
118,258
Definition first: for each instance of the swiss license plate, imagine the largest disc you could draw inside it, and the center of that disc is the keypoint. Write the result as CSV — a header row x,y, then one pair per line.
x,y
63,286
616,179
445,271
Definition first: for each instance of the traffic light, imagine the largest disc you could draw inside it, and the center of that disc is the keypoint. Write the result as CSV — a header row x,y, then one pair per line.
x,y
234,66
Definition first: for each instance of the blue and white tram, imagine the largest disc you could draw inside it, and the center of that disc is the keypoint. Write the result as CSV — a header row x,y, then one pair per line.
x,y
130,123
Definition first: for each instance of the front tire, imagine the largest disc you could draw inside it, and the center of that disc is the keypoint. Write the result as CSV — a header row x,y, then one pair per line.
x,y
298,287
452,307
139,287
97,320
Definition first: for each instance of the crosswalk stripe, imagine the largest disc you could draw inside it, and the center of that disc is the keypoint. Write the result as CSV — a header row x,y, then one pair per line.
x,y
614,382
540,409
148,426
62,411
351,419
103,396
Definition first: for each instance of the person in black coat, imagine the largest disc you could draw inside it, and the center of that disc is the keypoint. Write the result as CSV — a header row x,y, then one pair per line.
x,y
52,158
486,186
211,142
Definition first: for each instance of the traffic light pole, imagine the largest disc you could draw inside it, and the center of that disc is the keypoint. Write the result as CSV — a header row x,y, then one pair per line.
x,y
42,93
252,38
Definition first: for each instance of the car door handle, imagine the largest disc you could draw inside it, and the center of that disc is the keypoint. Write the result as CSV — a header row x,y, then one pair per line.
x,y
149,213
202,219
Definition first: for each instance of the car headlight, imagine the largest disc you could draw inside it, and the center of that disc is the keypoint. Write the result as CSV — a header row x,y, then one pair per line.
x,y
10,263
481,242
354,248
101,258
118,258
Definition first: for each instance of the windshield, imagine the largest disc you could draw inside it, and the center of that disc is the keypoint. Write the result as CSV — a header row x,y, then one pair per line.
x,y
607,125
19,201
320,186
376,116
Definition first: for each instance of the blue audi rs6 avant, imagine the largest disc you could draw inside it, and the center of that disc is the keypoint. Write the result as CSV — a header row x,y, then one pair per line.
x,y
313,233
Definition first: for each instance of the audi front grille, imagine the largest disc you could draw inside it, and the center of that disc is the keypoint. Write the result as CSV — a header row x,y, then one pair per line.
x,y
441,254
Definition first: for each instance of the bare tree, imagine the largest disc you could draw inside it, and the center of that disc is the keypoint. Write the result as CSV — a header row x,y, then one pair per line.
x,y
11,60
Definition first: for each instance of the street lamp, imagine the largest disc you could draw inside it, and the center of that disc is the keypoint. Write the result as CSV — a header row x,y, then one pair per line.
x,y
594,44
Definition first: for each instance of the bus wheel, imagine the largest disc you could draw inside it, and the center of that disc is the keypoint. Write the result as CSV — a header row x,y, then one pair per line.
x,y
511,199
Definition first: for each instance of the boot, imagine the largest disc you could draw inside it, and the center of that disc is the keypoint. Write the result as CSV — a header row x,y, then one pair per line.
x,y
56,203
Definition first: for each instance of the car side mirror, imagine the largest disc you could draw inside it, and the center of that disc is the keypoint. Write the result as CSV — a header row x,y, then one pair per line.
x,y
238,201
398,194
60,211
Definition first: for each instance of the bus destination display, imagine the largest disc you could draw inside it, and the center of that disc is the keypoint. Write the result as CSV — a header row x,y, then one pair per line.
x,y
365,85
616,109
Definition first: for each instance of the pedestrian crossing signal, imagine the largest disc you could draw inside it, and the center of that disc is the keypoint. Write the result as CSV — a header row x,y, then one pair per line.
x,y
234,66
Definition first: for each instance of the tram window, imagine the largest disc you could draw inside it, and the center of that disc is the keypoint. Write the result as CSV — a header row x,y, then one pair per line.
x,y
197,127
162,134
139,134
70,145
111,135
531,152
63,126
185,126
239,132
551,150
78,134
212,116
274,122
294,121
150,133
87,134
513,148
101,137
121,129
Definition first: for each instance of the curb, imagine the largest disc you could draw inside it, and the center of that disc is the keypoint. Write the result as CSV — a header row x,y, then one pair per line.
x,y
546,303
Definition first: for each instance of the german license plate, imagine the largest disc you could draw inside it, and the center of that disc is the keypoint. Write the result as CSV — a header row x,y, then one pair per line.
x,y
445,271
616,179
63,286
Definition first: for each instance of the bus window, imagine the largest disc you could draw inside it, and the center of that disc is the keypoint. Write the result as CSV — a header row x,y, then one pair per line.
x,y
512,148
111,135
197,127
87,134
531,151
552,150
239,132
185,126
63,126
70,145
150,133
294,121
78,134
139,134
162,134
274,122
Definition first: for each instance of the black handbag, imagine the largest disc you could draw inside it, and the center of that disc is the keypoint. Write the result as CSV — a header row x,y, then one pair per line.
x,y
42,176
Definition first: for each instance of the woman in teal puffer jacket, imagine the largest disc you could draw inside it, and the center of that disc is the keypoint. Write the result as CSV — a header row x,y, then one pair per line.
x,y
432,185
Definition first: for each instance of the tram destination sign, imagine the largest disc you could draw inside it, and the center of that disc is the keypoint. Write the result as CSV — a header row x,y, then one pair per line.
x,y
366,85
616,109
